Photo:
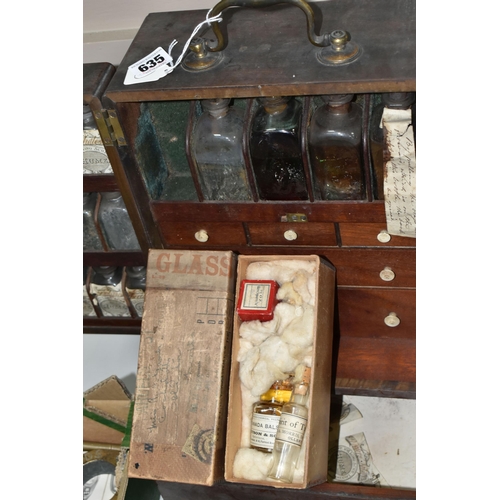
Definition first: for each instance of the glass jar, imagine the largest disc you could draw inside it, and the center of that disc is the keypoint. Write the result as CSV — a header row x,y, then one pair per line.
x,y
275,149
396,100
95,158
135,286
115,223
91,239
218,151
336,150
106,290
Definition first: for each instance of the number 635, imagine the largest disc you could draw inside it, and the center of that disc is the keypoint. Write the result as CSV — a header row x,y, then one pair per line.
x,y
151,64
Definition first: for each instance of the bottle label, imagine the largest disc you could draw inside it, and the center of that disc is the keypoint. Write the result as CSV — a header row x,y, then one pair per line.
x,y
88,309
264,430
110,299
95,158
137,298
291,429
256,296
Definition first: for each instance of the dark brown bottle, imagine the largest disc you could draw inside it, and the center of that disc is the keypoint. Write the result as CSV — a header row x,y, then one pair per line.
x,y
275,149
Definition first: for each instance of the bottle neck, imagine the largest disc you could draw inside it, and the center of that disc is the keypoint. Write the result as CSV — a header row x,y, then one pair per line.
x,y
339,109
299,394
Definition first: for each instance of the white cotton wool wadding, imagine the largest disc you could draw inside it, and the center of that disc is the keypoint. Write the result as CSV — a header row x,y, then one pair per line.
x,y
257,331
299,333
252,464
279,270
247,402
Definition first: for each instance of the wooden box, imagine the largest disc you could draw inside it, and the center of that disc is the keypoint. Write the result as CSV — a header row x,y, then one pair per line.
x,y
316,436
178,428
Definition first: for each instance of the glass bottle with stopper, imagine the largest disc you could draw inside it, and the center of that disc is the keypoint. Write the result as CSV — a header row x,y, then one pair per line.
x,y
95,158
335,148
290,432
218,151
266,415
275,149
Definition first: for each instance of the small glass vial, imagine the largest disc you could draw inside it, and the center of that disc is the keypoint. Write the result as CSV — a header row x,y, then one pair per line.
x,y
396,100
335,149
275,149
106,291
218,151
91,239
115,223
135,286
266,415
290,432
95,158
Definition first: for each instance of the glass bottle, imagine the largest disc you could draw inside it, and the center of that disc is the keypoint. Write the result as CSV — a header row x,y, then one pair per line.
x,y
135,286
88,308
115,223
290,432
396,100
218,151
266,415
336,150
95,158
91,239
106,290
275,149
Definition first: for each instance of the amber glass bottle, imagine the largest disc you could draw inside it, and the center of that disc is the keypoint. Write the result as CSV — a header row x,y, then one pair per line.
x,y
335,149
266,415
275,149
396,100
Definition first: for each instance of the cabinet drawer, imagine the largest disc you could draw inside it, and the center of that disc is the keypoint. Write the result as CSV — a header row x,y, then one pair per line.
x,y
372,235
203,233
375,312
304,233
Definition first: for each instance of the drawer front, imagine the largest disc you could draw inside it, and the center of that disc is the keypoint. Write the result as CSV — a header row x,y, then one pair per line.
x,y
374,267
293,234
372,235
375,312
199,234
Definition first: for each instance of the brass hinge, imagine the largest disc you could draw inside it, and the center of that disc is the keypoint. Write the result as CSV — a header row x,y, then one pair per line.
x,y
109,128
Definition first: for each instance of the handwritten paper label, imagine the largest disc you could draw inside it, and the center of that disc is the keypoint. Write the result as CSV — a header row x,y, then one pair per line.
x,y
400,173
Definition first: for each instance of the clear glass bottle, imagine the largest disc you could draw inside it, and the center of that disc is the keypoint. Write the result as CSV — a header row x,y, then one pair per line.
x,y
91,239
266,415
275,149
106,290
88,308
135,286
115,223
218,151
290,432
396,100
95,158
336,150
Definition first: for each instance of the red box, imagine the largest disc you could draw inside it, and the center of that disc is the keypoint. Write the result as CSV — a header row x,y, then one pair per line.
x,y
257,300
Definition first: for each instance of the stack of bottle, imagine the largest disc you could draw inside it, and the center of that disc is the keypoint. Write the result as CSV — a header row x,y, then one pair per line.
x,y
114,291
275,147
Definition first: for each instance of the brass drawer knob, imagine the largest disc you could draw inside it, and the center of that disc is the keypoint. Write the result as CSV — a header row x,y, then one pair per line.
x,y
387,274
392,320
290,235
383,236
201,235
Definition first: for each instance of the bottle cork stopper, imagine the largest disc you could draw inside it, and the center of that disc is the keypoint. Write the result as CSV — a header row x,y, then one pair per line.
x,y
306,376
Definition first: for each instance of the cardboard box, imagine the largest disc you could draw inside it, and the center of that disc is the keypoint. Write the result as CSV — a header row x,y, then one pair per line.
x,y
106,407
179,423
315,444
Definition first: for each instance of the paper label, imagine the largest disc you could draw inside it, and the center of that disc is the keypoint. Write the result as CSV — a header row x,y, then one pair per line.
x,y
400,173
264,429
110,299
256,296
137,298
95,158
88,309
150,68
291,429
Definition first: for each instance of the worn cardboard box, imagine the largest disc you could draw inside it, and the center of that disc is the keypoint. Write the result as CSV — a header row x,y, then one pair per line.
x,y
315,443
106,408
179,423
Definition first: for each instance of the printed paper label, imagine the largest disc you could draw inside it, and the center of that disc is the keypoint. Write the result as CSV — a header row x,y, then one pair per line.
x,y
291,429
95,158
137,298
150,68
110,299
264,429
88,309
256,296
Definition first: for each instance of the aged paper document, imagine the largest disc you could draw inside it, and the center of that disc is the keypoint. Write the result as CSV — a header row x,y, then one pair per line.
x,y
400,173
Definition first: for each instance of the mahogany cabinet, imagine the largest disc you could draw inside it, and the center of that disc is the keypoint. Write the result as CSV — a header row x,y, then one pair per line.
x,y
267,52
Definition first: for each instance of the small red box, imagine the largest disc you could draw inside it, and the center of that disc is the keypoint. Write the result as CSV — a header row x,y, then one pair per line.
x,y
257,300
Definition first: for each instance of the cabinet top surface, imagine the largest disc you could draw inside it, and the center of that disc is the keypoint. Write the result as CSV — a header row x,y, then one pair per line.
x,y
268,52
